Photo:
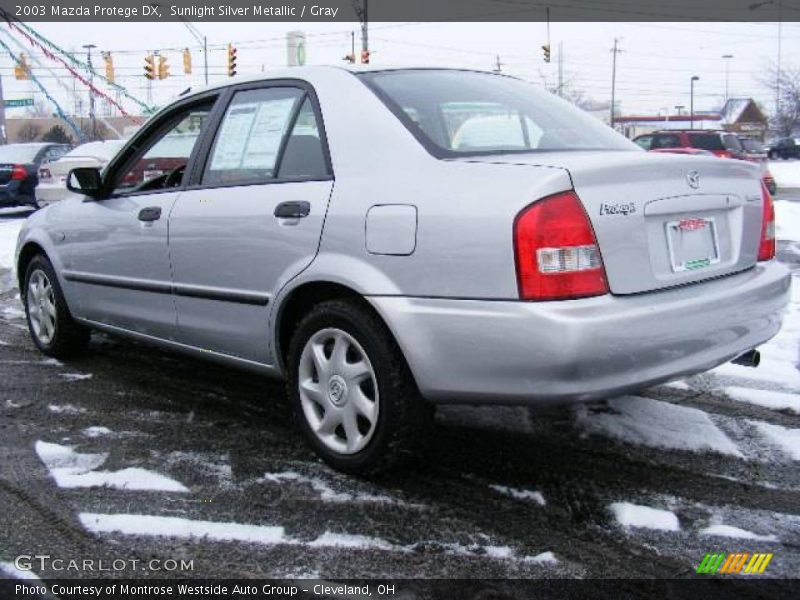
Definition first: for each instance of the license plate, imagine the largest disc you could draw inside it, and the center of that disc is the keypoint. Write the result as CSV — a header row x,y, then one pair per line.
x,y
692,244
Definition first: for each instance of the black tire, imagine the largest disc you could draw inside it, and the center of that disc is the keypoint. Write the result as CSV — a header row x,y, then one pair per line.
x,y
34,203
69,337
772,155
404,417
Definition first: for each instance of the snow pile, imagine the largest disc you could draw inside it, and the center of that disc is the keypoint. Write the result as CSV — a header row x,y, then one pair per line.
x,y
519,494
787,440
354,542
766,398
779,355
635,515
72,469
734,532
644,421
787,220
786,173
9,230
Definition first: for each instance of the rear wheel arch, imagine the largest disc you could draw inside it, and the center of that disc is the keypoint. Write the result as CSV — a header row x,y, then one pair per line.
x,y
301,300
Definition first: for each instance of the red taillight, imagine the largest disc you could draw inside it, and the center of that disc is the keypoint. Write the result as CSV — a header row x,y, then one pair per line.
x,y
766,249
556,251
723,154
18,172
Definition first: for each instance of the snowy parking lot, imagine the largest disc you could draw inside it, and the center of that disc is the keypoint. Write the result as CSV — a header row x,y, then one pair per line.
x,y
133,453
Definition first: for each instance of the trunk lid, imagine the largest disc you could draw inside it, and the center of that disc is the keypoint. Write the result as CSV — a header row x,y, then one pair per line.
x,y
663,220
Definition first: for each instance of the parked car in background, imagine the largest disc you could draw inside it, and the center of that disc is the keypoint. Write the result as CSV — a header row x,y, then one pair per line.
x,y
719,143
755,151
484,242
52,185
19,166
785,148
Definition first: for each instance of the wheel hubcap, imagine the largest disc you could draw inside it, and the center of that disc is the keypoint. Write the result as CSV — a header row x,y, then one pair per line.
x,y
41,307
338,391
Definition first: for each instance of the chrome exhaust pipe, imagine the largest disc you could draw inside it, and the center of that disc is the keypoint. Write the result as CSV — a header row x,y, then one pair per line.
x,y
751,358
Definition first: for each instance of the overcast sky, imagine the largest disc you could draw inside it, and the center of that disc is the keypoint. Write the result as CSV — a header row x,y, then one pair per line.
x,y
653,70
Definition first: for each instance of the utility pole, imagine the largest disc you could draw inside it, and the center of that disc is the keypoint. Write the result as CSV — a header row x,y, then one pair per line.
x,y
691,100
615,50
362,12
727,58
92,115
560,69
498,66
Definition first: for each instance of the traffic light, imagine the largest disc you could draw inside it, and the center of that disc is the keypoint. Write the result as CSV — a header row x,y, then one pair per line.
x,y
546,49
349,58
22,70
109,66
365,57
150,67
231,60
187,61
163,67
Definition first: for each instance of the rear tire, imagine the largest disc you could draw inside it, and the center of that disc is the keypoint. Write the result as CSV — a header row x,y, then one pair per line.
x,y
50,323
352,393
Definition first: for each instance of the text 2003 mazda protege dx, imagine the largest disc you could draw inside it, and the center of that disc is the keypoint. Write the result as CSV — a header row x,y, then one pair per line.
x,y
387,240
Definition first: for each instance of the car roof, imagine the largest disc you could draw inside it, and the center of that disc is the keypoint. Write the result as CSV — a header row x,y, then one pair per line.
x,y
310,71
690,131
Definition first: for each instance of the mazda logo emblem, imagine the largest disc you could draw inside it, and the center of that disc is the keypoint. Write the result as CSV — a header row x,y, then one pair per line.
x,y
693,179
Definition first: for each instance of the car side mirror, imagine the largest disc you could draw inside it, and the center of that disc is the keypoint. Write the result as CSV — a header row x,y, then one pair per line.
x,y
86,181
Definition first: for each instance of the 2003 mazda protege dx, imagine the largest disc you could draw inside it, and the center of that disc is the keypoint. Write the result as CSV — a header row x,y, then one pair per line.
x,y
387,240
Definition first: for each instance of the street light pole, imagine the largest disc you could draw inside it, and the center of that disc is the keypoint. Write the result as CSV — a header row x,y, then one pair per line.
x,y
727,58
691,101
779,4
92,116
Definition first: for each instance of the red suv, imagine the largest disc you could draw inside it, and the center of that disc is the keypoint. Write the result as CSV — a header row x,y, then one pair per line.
x,y
720,143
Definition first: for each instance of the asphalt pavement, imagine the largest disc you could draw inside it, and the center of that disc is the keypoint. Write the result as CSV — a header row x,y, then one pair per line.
x,y
132,453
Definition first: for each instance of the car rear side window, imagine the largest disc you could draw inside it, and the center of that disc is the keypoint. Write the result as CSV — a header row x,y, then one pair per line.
x,y
707,141
266,134
455,113
666,141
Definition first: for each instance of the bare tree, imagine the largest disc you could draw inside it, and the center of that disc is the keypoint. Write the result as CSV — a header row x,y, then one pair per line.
x,y
787,85
29,132
40,108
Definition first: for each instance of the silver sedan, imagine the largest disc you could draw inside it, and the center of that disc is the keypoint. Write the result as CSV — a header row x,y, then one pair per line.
x,y
387,240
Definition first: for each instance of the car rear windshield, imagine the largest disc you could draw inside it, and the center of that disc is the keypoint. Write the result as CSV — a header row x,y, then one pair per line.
x,y
19,153
456,113
715,142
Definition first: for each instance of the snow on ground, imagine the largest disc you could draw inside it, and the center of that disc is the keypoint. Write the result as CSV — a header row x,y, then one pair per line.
x,y
76,376
786,173
654,423
65,409
96,431
520,494
788,440
10,570
149,525
787,220
325,491
72,469
635,515
779,356
176,527
734,532
766,398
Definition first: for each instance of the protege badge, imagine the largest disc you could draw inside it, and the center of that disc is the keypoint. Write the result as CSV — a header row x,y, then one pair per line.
x,y
625,208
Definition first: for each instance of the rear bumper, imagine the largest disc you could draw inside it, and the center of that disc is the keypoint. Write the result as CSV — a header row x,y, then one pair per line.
x,y
480,351
10,195
47,193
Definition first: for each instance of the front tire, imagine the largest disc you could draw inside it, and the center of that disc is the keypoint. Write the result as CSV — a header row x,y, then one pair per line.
x,y
50,323
352,393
